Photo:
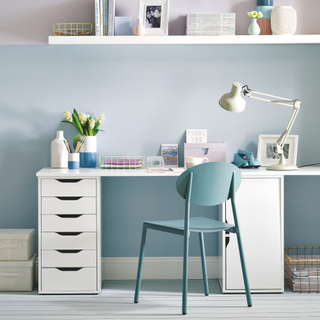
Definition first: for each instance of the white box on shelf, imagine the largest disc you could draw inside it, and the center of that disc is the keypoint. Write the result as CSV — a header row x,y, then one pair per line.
x,y
17,275
16,244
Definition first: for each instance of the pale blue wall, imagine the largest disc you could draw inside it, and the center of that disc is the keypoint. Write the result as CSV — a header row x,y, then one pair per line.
x,y
151,95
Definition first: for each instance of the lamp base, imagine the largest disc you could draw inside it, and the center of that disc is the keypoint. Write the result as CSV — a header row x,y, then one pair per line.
x,y
282,166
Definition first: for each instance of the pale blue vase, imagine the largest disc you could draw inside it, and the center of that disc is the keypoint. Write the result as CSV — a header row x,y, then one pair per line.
x,y
254,29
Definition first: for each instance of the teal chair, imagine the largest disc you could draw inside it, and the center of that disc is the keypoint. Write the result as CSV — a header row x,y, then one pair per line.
x,y
207,184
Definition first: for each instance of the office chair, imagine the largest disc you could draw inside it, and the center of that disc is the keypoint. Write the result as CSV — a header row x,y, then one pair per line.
x,y
207,184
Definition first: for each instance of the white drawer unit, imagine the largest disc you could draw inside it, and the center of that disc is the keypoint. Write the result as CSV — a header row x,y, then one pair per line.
x,y
260,214
69,235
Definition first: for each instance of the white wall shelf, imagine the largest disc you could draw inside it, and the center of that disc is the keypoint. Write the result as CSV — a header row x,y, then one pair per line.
x,y
240,39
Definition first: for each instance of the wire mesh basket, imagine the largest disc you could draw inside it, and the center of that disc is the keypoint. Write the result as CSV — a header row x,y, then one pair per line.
x,y
121,162
72,29
302,268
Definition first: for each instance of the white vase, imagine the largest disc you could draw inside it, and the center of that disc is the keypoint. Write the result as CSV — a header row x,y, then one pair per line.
x,y
254,29
283,20
88,152
139,29
59,153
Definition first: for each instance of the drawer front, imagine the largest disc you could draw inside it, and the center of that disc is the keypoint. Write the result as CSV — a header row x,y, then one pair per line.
x,y
69,258
69,205
69,280
64,223
80,241
69,187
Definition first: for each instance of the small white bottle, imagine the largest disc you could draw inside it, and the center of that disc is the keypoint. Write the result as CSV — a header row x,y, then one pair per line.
x,y
59,152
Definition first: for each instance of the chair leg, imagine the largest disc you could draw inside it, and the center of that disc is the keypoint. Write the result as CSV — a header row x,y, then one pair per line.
x,y
244,271
139,272
204,266
185,273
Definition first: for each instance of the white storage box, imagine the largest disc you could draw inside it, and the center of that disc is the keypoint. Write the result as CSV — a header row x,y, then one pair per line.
x,y
16,244
17,275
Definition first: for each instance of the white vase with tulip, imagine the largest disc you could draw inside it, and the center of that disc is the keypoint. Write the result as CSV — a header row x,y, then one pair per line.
x,y
88,128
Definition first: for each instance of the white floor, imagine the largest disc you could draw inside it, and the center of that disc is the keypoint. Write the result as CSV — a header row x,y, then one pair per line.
x,y
160,299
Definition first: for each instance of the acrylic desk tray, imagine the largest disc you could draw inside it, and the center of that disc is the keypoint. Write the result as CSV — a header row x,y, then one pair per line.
x,y
121,162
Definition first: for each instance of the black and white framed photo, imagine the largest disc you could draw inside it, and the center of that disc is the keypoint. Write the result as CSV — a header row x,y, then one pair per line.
x,y
155,16
169,152
266,150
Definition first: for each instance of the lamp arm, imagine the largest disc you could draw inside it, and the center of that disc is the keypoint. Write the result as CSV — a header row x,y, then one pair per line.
x,y
283,138
296,106
248,93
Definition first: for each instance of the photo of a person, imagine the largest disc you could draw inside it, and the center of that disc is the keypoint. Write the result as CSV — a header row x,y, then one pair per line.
x,y
153,16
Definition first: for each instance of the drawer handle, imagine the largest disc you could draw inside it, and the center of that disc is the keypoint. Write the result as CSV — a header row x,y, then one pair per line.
x,y
68,251
69,233
69,198
69,269
72,216
69,180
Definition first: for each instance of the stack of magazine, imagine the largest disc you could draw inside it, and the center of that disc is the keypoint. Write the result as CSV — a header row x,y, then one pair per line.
x,y
211,24
104,17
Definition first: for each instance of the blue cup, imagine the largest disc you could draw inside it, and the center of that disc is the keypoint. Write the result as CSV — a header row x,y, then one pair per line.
x,y
73,161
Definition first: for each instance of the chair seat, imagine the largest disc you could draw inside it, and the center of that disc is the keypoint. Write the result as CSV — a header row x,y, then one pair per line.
x,y
196,224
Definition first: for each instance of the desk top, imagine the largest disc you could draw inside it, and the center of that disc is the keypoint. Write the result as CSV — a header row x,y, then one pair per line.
x,y
97,172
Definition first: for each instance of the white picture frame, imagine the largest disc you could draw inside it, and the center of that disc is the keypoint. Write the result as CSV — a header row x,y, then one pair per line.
x,y
154,15
169,152
196,136
266,154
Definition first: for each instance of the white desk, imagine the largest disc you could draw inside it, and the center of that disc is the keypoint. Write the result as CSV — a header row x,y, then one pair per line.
x,y
70,215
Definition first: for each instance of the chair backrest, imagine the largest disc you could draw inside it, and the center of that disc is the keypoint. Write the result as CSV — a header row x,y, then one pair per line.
x,y
211,183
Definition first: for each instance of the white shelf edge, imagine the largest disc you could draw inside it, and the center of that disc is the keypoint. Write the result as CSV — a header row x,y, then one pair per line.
x,y
239,39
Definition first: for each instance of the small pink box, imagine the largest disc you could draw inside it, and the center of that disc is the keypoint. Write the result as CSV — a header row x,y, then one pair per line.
x,y
214,151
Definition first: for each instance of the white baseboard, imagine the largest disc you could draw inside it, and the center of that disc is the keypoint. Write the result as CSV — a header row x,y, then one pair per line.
x,y
156,268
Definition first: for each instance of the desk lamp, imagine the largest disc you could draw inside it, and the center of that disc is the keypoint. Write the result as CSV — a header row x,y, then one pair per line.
x,y
234,102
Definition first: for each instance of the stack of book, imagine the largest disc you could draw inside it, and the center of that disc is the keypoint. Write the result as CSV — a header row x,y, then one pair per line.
x,y
211,24
104,17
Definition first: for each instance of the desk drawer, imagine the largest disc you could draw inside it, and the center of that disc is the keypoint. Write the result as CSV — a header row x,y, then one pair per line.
x,y
65,223
67,280
69,205
80,241
69,258
68,187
